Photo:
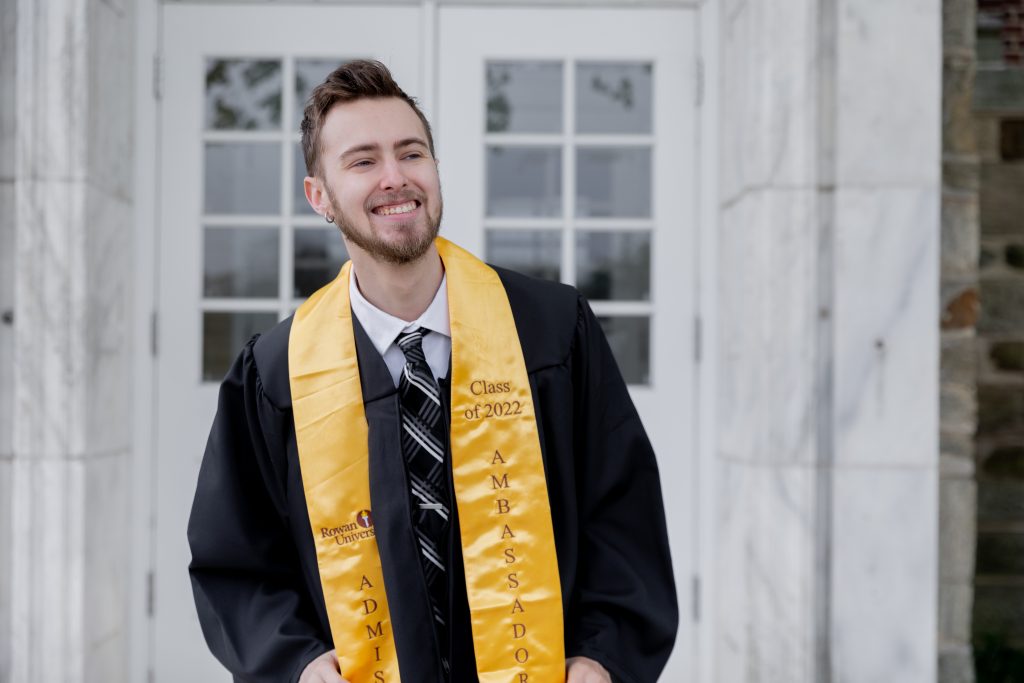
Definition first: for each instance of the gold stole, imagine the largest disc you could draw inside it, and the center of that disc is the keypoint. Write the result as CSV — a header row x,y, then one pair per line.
x,y
507,540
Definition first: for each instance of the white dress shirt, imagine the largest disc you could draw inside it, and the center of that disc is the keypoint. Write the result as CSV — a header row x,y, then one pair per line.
x,y
383,328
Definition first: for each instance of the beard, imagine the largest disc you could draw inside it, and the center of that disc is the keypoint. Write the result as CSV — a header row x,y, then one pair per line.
x,y
414,242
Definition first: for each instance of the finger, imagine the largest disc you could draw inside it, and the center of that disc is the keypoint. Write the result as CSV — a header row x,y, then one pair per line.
x,y
330,668
326,674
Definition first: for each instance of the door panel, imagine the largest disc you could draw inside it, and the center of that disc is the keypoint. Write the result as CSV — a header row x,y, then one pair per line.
x,y
239,247
567,142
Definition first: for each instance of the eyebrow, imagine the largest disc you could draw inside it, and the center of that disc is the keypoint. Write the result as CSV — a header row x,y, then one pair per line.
x,y
373,147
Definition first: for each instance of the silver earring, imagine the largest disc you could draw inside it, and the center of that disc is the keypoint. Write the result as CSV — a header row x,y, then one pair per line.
x,y
329,219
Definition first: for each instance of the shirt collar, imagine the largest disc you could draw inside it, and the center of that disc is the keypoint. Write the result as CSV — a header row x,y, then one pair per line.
x,y
383,328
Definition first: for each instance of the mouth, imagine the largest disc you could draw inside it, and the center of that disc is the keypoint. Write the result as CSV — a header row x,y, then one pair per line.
x,y
397,209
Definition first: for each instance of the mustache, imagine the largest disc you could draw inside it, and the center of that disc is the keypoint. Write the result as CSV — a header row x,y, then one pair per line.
x,y
393,198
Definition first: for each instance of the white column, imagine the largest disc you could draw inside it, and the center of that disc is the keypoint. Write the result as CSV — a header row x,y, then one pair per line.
x,y
71,404
7,16
828,330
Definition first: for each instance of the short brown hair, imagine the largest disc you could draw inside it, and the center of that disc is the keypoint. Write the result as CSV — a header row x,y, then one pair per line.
x,y
355,80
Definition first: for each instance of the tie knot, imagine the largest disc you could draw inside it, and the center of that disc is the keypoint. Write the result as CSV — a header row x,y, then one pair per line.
x,y
411,344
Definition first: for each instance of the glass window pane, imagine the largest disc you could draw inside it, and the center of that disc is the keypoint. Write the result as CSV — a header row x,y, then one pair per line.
x,y
319,255
224,335
243,94
613,182
240,262
613,97
629,337
524,181
531,252
614,265
242,177
524,97
299,204
310,73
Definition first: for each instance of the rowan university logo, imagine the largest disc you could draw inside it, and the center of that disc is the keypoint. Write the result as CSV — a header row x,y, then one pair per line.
x,y
350,532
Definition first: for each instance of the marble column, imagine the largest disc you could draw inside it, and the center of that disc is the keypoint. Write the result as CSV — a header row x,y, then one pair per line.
x,y
827,452
70,408
7,16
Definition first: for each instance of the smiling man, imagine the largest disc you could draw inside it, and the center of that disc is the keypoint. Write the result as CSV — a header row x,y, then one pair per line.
x,y
433,471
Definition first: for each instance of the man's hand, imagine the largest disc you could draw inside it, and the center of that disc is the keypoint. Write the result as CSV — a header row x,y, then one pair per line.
x,y
584,670
323,669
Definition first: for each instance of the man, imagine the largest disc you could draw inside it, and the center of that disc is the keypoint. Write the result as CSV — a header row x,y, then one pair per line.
x,y
432,470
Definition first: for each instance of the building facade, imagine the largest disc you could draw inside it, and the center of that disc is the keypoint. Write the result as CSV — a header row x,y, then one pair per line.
x,y
728,181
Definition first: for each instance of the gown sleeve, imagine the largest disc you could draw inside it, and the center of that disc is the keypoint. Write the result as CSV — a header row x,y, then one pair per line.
x,y
256,614
624,606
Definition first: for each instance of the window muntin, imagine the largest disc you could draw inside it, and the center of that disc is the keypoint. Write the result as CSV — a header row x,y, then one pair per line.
x,y
572,199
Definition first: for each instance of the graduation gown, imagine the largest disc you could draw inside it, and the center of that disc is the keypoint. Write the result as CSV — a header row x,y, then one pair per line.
x,y
254,571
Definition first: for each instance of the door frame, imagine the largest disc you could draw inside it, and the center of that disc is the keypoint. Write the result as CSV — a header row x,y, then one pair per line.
x,y
696,600
148,47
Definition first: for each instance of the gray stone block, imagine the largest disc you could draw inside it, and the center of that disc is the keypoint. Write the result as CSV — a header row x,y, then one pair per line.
x,y
989,258
957,505
989,51
1000,501
961,173
1000,407
958,361
1002,198
958,105
956,665
957,405
960,232
956,599
986,134
954,465
999,89
958,24
1002,304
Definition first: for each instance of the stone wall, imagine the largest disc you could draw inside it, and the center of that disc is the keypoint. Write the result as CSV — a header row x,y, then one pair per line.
x,y
958,376
66,76
999,583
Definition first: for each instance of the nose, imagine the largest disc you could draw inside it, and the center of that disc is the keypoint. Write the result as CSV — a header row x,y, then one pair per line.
x,y
392,177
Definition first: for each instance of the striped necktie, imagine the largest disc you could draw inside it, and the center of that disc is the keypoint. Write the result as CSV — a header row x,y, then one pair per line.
x,y
425,449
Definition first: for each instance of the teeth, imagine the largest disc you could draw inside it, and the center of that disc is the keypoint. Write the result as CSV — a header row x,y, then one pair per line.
x,y
392,210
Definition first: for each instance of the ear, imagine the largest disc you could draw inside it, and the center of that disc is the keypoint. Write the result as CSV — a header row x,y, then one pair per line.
x,y
316,195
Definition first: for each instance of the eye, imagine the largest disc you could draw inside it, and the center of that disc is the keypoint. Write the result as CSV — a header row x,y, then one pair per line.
x,y
362,162
414,155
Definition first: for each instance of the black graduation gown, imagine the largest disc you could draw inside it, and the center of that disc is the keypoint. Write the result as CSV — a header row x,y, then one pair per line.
x,y
254,572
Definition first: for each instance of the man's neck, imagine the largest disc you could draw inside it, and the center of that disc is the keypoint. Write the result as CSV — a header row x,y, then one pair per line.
x,y
406,290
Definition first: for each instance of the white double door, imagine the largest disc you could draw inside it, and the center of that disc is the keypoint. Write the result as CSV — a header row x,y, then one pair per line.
x,y
566,139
